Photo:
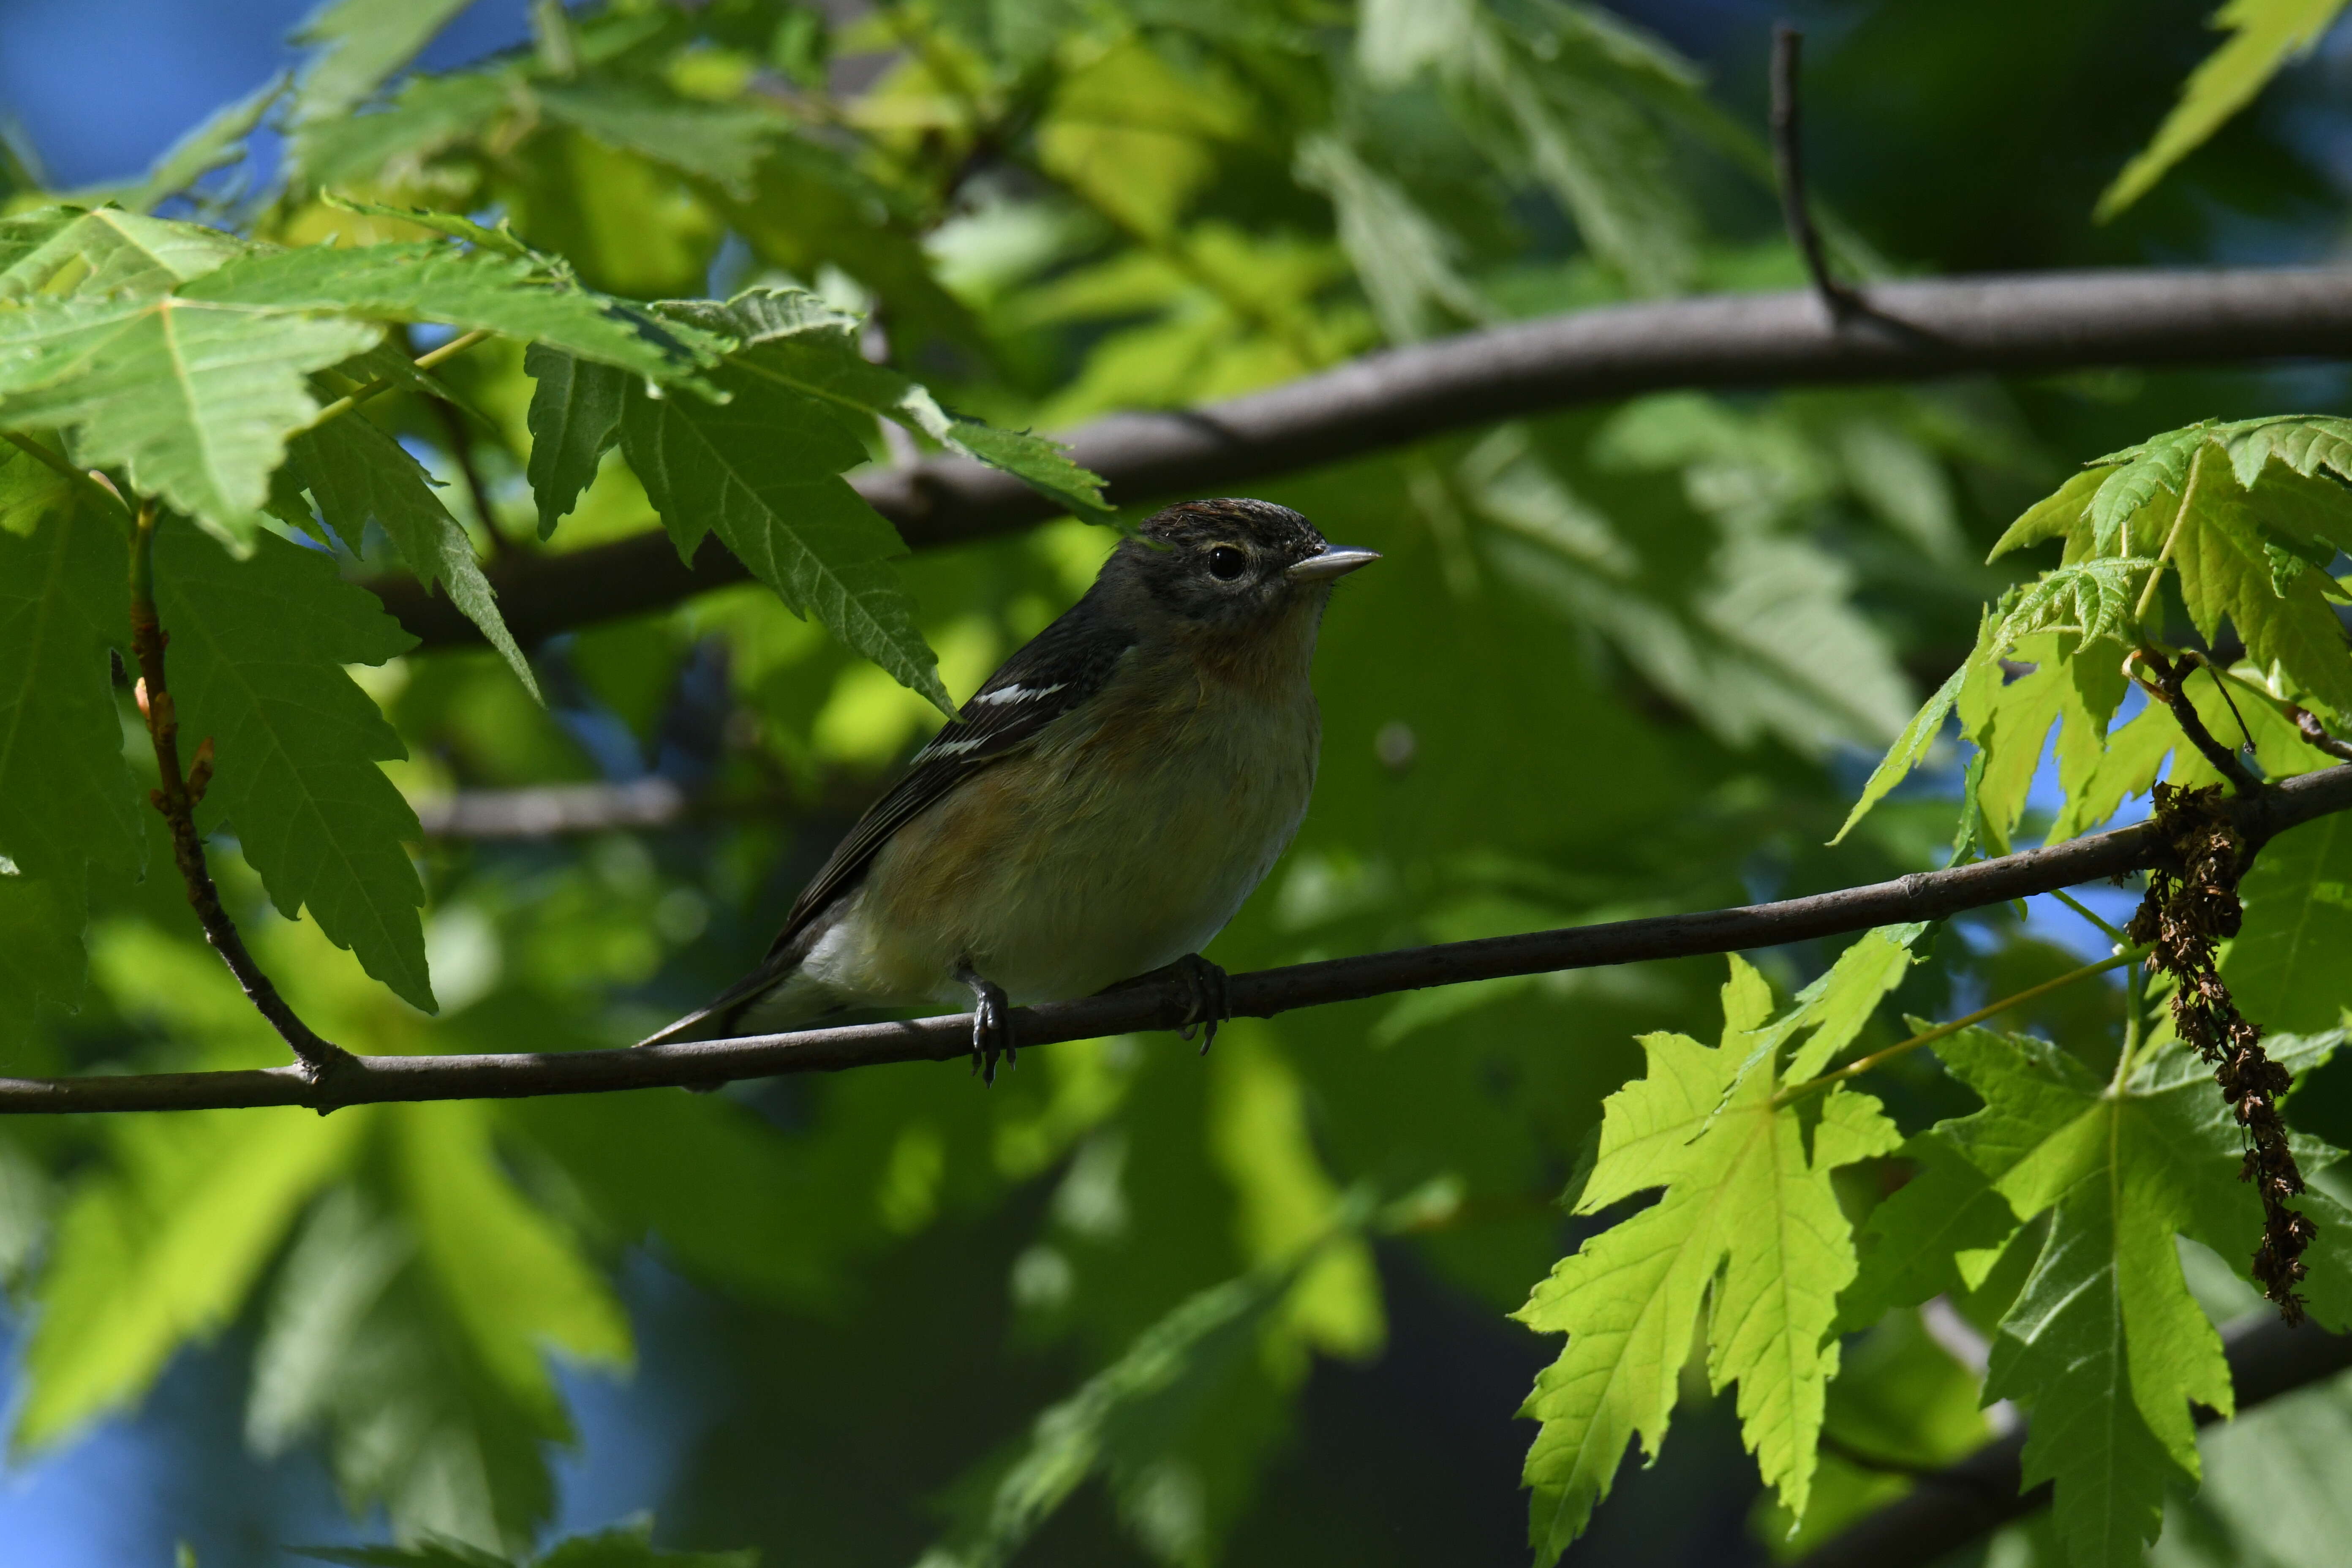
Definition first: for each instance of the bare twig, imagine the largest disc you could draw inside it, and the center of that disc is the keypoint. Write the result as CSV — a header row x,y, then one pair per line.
x,y
321,1061
2035,322
1958,1504
1162,1002
1788,163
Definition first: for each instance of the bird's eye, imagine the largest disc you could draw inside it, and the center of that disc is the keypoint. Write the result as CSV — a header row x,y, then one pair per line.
x,y
1227,562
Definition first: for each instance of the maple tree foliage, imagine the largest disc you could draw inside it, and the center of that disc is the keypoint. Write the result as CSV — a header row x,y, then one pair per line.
x,y
658,272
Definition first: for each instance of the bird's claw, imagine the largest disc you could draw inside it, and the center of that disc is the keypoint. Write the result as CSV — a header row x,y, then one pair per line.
x,y
991,1026
1206,1004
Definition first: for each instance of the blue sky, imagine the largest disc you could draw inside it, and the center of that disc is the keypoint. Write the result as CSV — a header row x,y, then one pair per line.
x,y
99,88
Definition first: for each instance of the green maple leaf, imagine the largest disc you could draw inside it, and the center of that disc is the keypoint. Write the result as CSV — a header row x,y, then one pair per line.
x,y
792,340
195,400
358,44
1748,1215
256,663
762,471
2226,572
1910,747
2092,599
2057,516
2287,965
721,142
66,801
491,290
575,416
1936,1235
2264,36
2009,718
2139,478
357,473
2105,1340
427,114
69,250
2221,502
162,1247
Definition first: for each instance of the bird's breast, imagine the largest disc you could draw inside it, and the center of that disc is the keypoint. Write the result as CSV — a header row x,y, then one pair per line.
x,y
1126,838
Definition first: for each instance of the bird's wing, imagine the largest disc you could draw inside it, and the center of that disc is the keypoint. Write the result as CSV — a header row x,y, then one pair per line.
x,y
1058,671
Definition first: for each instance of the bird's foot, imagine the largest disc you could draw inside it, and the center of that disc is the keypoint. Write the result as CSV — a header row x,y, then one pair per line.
x,y
1206,1006
991,1026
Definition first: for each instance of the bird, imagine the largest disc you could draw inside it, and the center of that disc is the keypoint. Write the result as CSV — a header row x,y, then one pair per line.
x,y
1096,813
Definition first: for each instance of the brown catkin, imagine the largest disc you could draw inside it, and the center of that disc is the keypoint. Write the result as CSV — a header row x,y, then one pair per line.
x,y
2180,920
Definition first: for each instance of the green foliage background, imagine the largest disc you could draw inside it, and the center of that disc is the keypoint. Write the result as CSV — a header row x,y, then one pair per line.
x,y
1132,1305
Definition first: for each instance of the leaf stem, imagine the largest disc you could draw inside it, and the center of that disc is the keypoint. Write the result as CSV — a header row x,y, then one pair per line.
x,y
176,800
42,455
2295,713
2179,521
2111,932
2135,1026
426,361
1863,1065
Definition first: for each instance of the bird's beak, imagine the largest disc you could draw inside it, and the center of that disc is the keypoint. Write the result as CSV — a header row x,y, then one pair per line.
x,y
1335,562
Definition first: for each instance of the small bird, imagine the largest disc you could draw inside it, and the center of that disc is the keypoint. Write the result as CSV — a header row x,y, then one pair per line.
x,y
1097,811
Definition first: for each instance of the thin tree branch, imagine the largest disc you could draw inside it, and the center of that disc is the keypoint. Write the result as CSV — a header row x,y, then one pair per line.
x,y
2168,688
1162,1002
2031,322
2317,734
176,799
1788,163
1954,1506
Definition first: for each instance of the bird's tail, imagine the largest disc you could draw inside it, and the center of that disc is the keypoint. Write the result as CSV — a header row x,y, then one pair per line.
x,y
702,1024
723,1014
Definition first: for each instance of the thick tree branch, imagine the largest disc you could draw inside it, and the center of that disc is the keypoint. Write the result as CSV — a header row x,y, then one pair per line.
x,y
1912,332
1160,1002
1954,1506
176,800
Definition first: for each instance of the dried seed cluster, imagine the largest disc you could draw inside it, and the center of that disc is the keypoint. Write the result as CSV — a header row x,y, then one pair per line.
x,y
2181,918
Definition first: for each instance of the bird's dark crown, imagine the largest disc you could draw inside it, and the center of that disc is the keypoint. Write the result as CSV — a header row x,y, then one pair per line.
x,y
1221,562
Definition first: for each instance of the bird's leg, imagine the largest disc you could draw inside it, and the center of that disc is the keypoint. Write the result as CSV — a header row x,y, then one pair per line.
x,y
1206,1006
991,1025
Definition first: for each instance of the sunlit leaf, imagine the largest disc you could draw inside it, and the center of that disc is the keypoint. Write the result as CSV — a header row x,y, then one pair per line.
x,y
1745,1198
359,45
2265,35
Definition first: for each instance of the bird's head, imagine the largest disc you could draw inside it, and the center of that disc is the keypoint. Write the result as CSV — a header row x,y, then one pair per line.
x,y
1232,565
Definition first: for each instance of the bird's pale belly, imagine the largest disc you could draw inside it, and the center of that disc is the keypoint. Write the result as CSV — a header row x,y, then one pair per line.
x,y
1080,864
